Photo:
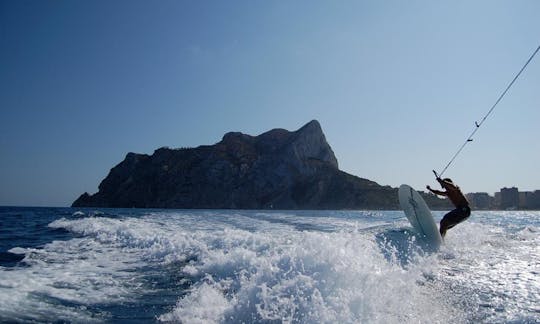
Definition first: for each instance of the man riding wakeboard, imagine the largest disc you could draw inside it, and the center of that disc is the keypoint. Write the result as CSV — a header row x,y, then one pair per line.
x,y
462,210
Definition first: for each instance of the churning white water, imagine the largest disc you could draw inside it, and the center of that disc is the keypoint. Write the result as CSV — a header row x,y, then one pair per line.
x,y
289,266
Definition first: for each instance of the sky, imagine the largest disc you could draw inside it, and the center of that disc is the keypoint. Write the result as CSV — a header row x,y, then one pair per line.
x,y
396,86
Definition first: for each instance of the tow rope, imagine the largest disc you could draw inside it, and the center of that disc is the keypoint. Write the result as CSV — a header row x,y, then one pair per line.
x,y
478,124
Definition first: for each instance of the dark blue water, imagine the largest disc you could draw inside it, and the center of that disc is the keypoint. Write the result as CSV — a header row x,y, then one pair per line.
x,y
27,227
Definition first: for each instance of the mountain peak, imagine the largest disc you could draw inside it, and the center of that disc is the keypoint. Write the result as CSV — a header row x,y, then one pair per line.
x,y
312,126
311,143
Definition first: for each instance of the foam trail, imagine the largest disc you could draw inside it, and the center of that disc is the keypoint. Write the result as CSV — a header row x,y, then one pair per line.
x,y
249,266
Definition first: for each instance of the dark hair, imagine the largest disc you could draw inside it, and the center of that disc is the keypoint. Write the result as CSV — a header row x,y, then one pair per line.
x,y
448,180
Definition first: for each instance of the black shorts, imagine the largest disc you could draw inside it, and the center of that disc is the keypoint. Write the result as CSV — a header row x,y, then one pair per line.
x,y
456,216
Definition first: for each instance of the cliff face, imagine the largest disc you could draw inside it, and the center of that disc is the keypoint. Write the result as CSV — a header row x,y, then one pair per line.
x,y
278,169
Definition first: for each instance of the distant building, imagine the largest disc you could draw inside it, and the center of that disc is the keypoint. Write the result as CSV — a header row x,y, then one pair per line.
x,y
534,200
525,199
497,200
480,200
509,198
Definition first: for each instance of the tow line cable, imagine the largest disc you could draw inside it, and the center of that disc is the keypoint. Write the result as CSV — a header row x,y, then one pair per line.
x,y
478,124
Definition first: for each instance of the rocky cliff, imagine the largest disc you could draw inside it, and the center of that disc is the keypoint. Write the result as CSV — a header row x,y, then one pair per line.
x,y
278,169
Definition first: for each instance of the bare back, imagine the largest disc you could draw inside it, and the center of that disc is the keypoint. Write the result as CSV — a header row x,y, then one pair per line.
x,y
456,196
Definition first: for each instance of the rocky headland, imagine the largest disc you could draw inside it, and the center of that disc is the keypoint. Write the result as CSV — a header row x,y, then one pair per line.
x,y
278,169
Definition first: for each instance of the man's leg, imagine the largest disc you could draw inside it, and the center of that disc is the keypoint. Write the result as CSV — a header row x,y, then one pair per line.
x,y
444,227
448,221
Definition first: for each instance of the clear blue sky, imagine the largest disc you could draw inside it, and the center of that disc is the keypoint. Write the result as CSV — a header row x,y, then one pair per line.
x,y
396,86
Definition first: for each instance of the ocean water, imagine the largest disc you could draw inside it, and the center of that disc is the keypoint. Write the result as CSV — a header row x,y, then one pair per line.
x,y
131,265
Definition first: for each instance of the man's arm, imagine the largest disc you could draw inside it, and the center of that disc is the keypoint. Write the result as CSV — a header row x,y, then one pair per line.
x,y
437,192
444,184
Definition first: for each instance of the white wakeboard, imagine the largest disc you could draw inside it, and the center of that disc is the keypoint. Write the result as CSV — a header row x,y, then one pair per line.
x,y
419,215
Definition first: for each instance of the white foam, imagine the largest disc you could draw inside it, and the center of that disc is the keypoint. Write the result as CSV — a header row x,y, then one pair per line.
x,y
253,266
294,276
64,272
207,304
496,268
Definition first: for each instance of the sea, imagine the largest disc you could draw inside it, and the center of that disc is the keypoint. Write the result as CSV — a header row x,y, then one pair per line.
x,y
236,266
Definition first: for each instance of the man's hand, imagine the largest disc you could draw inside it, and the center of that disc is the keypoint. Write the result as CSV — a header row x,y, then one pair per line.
x,y
428,187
